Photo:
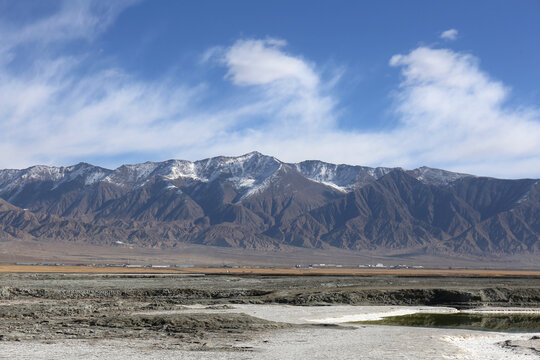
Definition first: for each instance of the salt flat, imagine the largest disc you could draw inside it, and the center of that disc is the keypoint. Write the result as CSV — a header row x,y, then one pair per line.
x,y
336,340
94,316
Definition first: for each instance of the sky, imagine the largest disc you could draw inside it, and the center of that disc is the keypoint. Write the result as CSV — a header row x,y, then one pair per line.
x,y
449,84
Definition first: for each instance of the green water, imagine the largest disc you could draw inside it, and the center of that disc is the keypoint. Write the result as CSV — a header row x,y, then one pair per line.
x,y
490,322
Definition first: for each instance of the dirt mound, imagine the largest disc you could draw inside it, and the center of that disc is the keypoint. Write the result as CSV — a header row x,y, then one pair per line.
x,y
183,323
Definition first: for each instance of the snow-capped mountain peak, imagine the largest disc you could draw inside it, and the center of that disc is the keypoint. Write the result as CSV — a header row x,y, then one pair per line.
x,y
244,171
248,174
12,179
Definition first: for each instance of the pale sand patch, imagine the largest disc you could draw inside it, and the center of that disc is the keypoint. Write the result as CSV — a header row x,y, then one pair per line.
x,y
369,343
500,310
335,314
489,345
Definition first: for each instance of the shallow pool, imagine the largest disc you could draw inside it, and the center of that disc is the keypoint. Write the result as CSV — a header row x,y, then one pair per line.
x,y
475,321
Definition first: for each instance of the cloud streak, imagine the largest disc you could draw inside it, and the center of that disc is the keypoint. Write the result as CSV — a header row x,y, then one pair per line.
x,y
75,19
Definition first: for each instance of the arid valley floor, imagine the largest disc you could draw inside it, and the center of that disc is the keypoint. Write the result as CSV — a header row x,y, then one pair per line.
x,y
239,316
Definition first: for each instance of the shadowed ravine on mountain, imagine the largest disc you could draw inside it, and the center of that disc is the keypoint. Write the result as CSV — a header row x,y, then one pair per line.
x,y
258,202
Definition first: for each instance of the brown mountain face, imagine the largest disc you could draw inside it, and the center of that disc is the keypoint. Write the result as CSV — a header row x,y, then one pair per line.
x,y
258,202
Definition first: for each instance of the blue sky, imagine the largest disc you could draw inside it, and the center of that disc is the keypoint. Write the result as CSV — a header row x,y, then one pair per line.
x,y
448,84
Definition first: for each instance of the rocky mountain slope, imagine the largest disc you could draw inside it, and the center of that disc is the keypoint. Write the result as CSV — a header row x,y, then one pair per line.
x,y
256,201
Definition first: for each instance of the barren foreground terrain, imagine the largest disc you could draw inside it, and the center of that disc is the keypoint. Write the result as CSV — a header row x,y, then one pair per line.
x,y
162,316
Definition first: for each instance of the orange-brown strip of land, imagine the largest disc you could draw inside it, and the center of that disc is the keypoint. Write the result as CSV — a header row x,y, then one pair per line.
x,y
367,272
264,271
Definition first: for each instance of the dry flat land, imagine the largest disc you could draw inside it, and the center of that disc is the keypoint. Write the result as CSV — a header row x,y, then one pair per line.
x,y
368,272
216,256
7,269
91,316
42,269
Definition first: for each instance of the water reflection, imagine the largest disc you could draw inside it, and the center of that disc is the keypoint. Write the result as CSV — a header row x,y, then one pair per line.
x,y
476,321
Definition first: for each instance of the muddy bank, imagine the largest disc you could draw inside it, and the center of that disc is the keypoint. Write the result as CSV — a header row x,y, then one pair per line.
x,y
190,327
217,293
46,320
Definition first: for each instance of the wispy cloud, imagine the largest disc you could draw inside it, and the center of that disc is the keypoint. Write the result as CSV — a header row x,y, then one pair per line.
x,y
450,34
54,110
75,19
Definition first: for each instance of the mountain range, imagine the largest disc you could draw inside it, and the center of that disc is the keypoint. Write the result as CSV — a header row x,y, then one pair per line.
x,y
256,201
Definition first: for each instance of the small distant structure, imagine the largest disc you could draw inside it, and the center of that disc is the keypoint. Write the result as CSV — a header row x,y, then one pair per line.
x,y
160,266
326,265
134,265
400,266
184,265
380,265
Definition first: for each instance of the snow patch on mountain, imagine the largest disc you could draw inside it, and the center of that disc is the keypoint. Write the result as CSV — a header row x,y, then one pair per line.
x,y
241,171
91,174
526,196
249,174
344,178
260,186
12,179
132,175
177,169
332,185
432,176
95,177
246,173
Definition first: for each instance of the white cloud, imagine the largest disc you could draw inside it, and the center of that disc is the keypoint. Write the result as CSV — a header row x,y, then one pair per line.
x,y
261,62
459,115
289,86
450,34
